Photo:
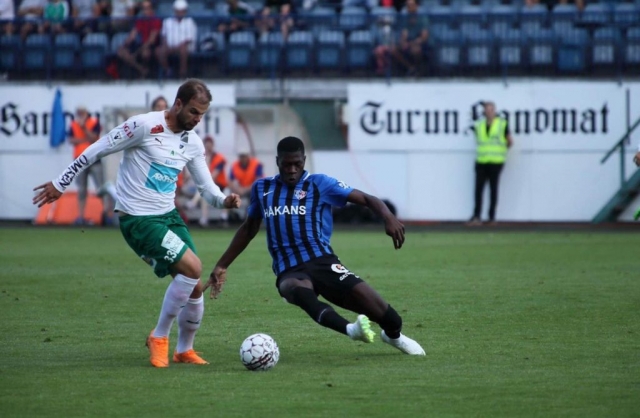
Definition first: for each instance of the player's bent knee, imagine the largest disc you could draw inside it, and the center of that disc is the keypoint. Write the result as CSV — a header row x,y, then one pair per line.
x,y
289,285
189,265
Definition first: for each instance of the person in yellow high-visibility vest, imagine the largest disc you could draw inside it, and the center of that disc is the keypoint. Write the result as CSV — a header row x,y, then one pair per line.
x,y
493,139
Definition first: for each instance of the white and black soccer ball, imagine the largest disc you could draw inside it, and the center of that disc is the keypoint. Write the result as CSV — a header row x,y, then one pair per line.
x,y
259,352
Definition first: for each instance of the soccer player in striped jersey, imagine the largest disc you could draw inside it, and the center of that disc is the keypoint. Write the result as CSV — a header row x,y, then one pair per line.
x,y
296,207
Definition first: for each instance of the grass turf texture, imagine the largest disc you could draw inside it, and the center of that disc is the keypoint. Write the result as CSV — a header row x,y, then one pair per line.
x,y
514,324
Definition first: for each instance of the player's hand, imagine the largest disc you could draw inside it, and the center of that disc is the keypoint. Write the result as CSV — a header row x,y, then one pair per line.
x,y
395,229
47,193
232,201
636,159
216,279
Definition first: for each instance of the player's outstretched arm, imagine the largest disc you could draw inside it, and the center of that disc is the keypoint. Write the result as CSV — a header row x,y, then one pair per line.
x,y
241,239
392,226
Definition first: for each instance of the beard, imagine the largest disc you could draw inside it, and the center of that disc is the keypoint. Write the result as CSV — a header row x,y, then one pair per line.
x,y
182,123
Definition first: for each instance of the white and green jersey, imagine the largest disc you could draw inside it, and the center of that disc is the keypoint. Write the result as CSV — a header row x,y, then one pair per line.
x,y
153,158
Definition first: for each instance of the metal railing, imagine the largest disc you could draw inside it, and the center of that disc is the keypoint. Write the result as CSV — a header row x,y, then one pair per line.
x,y
621,144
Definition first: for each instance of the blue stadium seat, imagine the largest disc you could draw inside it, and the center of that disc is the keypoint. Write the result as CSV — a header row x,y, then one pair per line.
x,y
10,50
448,52
471,13
626,14
299,51
321,19
94,51
442,14
117,40
500,27
353,18
505,13
605,48
329,50
480,51
66,46
269,52
359,50
383,13
511,49
240,51
541,47
36,52
564,13
529,28
631,53
470,29
596,13
211,47
537,13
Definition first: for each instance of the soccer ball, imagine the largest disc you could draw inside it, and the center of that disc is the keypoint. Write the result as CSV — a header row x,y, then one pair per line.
x,y
259,352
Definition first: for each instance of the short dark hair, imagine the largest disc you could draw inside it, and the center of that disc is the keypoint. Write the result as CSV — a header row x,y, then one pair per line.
x,y
290,144
193,88
157,99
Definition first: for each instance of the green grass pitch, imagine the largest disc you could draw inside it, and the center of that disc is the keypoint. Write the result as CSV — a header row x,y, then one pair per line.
x,y
514,324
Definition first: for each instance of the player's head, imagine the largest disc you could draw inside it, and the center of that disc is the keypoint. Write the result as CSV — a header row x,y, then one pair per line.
x,y
159,103
208,143
290,159
489,110
192,102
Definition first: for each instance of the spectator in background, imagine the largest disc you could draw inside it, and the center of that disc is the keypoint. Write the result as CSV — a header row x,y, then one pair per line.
x,y
239,18
121,15
54,16
217,164
285,21
31,12
179,35
244,172
264,22
414,36
275,5
493,140
84,13
579,3
140,46
159,103
7,14
84,131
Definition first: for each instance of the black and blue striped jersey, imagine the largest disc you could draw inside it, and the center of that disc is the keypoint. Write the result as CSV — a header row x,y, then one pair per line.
x,y
298,219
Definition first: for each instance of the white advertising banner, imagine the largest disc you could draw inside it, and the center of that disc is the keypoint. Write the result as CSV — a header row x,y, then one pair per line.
x,y
25,110
542,115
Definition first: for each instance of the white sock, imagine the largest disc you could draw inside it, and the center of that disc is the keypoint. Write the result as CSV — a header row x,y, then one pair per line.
x,y
175,299
188,324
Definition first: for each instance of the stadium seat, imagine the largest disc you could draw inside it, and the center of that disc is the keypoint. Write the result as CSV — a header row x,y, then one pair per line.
x,y
269,52
471,13
448,52
117,40
442,14
164,10
541,46
353,18
359,50
94,50
564,13
537,13
10,50
37,50
596,13
211,46
240,51
379,14
470,29
511,50
631,53
66,46
329,50
626,13
480,52
503,13
321,19
605,48
299,51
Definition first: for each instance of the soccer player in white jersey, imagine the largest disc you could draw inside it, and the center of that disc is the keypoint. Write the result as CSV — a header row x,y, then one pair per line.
x,y
157,146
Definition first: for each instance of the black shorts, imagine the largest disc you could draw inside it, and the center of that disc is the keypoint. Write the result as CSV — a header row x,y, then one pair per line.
x,y
329,277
